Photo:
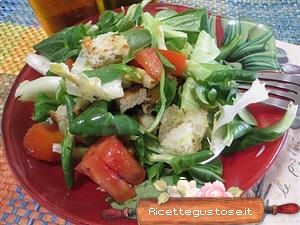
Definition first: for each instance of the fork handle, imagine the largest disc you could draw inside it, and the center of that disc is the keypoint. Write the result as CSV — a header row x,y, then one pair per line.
x,y
290,208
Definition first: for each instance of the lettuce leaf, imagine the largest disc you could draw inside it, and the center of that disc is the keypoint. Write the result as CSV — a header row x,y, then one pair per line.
x,y
188,101
154,26
205,50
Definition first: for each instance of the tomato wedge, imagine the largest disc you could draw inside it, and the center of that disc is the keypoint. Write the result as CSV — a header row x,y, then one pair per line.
x,y
150,61
96,169
177,59
39,139
117,158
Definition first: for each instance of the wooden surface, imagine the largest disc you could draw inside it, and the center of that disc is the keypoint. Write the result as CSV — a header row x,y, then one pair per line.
x,y
196,211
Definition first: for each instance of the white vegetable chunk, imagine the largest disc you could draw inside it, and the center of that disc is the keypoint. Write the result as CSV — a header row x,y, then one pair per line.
x,y
29,90
39,63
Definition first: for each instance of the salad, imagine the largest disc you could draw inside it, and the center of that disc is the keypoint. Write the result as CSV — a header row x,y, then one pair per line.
x,y
144,105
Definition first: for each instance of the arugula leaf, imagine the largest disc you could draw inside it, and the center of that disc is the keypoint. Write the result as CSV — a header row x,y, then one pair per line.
x,y
43,106
62,45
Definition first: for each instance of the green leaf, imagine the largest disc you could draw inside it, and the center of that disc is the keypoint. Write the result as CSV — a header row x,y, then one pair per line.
x,y
70,103
152,143
62,45
236,129
261,135
155,171
43,106
165,14
175,40
61,92
188,101
209,172
137,40
169,67
66,158
231,74
193,20
107,73
182,163
107,19
205,50
144,190
154,26
212,95
204,174
170,90
217,73
97,121
139,147
163,101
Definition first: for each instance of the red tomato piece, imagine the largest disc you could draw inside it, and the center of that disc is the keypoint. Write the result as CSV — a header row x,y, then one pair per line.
x,y
96,169
116,157
150,61
177,59
39,139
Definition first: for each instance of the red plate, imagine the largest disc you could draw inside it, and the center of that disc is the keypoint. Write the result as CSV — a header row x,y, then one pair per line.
x,y
82,205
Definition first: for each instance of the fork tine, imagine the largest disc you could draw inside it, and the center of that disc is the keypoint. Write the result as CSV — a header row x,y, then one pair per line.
x,y
290,78
285,94
285,86
283,104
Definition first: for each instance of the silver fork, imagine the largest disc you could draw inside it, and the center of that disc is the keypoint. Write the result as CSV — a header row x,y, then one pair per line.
x,y
283,89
